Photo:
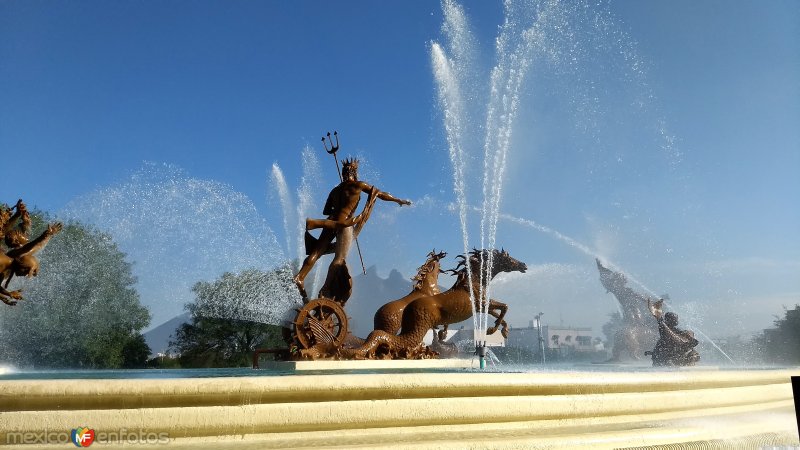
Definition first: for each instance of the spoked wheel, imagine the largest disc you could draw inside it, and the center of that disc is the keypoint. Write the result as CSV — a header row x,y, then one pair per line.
x,y
320,322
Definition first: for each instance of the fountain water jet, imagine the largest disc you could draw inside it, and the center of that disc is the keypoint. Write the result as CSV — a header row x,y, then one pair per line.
x,y
533,34
307,193
523,33
278,182
161,218
452,105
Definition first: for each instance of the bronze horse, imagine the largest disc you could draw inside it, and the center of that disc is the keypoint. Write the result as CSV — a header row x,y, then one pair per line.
x,y
426,282
451,306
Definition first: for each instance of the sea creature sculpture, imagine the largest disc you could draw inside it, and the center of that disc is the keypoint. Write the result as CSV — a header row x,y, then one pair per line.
x,y
638,330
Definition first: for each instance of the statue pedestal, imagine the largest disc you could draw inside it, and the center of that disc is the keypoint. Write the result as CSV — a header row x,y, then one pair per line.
x,y
370,364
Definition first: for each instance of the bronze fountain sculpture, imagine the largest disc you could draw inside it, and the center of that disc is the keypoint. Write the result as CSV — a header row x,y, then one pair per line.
x,y
389,316
675,347
320,328
638,330
18,258
322,323
671,345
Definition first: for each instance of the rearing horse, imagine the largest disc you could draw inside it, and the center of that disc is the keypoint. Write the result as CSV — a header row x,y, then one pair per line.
x,y
494,308
426,282
451,306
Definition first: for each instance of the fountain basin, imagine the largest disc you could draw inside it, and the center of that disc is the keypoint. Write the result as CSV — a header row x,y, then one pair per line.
x,y
444,410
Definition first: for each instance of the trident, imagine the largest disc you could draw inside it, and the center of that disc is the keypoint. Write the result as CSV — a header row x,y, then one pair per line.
x,y
332,151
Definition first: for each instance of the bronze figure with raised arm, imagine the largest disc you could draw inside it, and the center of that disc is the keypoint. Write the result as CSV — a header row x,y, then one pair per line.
x,y
343,225
675,347
21,262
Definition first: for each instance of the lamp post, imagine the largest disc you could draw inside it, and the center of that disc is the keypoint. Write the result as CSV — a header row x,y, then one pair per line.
x,y
541,338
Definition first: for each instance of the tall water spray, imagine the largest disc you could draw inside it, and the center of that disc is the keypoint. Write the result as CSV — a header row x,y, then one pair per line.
x,y
451,103
278,182
294,212
513,50
483,107
178,230
307,193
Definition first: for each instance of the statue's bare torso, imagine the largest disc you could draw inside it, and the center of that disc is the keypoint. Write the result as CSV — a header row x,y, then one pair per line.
x,y
343,224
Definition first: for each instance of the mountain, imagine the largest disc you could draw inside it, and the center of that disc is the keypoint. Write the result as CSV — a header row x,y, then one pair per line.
x,y
370,292
158,338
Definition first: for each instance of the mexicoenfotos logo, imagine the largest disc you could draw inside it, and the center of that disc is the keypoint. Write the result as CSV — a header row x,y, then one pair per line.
x,y
83,437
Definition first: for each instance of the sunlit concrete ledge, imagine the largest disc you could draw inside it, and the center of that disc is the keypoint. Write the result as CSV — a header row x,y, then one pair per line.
x,y
687,409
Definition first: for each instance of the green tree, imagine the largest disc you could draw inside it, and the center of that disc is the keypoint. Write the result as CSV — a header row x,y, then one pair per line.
x,y
611,327
81,311
135,353
233,316
781,344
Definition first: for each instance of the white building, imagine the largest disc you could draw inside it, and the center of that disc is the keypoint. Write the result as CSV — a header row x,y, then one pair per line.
x,y
467,334
578,339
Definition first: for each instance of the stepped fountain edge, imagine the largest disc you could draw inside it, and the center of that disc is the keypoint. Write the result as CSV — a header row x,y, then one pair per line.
x,y
572,409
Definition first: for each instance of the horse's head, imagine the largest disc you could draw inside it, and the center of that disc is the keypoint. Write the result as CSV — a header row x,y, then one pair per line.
x,y
435,257
428,273
500,261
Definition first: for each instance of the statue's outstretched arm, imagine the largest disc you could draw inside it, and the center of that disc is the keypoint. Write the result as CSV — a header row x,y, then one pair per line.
x,y
385,196
38,243
374,194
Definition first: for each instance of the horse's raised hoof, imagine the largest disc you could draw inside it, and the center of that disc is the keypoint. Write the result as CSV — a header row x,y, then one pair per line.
x,y
491,330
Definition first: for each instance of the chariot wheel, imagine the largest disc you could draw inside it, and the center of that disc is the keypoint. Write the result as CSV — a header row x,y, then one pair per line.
x,y
320,322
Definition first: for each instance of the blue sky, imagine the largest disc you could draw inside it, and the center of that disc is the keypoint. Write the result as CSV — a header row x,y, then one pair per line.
x,y
663,138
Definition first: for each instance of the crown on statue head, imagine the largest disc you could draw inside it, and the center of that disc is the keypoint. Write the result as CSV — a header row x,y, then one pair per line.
x,y
350,164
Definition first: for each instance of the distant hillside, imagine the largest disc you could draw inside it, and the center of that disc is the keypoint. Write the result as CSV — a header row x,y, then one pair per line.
x,y
158,338
370,292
